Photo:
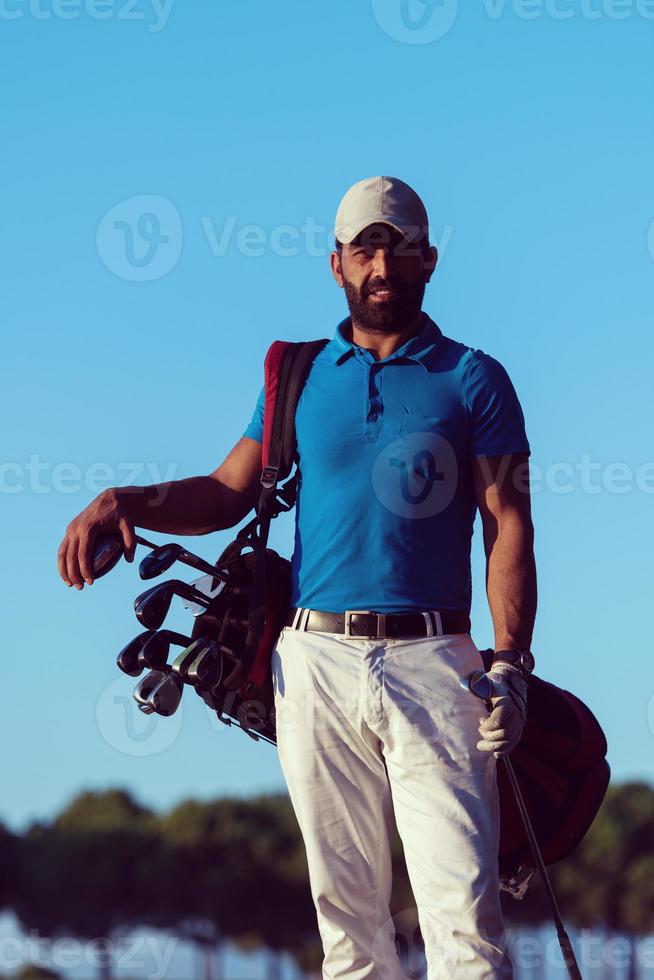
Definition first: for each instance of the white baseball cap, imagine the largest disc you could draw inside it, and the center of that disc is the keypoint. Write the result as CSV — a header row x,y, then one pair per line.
x,y
381,200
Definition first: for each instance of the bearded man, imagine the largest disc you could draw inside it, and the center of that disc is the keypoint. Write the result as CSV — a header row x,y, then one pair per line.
x,y
402,435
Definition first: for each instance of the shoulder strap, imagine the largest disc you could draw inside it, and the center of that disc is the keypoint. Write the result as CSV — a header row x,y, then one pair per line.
x,y
286,369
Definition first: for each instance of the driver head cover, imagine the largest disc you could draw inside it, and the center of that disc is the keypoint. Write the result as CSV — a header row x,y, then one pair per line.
x,y
381,200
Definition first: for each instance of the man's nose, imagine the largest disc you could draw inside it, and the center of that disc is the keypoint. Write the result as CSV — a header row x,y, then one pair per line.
x,y
382,262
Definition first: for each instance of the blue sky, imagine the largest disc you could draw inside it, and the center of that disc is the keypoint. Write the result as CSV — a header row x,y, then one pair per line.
x,y
528,133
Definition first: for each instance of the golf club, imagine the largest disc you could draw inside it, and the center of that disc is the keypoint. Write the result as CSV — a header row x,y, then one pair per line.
x,y
480,684
152,606
154,651
108,550
188,656
165,555
165,696
129,657
144,689
207,668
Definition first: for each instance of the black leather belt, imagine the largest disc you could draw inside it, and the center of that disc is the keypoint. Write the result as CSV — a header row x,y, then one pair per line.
x,y
367,624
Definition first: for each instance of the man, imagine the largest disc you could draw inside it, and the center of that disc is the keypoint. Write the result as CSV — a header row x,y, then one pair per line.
x,y
402,434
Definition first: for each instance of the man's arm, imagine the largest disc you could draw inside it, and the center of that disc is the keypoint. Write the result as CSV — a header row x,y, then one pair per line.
x,y
197,505
502,492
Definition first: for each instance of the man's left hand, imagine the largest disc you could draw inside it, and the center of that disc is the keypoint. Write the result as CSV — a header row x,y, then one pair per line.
x,y
501,730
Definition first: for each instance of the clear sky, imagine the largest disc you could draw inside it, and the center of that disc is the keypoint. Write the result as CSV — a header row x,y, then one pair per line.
x,y
170,175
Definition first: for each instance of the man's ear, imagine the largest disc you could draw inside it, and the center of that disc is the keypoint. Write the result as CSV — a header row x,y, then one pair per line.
x,y
337,273
431,261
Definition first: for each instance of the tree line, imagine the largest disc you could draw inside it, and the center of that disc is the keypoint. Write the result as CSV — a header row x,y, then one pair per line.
x,y
233,871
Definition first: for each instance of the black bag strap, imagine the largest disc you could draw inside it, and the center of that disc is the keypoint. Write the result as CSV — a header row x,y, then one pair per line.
x,y
294,369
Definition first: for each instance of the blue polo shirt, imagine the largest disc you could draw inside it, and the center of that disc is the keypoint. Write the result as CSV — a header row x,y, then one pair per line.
x,y
386,506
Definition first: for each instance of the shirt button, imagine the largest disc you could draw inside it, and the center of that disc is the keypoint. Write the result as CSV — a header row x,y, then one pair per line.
x,y
372,416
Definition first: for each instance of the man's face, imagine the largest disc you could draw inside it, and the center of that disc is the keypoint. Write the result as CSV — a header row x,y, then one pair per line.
x,y
384,277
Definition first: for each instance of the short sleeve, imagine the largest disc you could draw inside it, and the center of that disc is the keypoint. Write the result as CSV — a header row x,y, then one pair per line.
x,y
255,425
497,421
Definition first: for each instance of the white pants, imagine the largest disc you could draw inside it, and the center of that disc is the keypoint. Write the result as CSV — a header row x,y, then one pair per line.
x,y
373,733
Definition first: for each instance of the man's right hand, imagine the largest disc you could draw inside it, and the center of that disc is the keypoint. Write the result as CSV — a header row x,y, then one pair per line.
x,y
104,515
195,505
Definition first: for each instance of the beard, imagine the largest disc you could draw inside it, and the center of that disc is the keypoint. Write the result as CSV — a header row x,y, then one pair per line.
x,y
390,317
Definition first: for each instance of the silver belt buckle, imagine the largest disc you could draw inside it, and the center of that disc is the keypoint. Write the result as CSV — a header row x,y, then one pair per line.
x,y
381,624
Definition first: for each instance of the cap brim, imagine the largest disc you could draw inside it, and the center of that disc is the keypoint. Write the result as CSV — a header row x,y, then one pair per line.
x,y
347,234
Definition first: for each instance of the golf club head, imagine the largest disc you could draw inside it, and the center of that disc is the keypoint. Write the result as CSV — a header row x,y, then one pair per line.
x,y
479,684
129,658
107,552
144,689
164,557
152,606
159,560
183,662
207,586
154,652
207,668
165,697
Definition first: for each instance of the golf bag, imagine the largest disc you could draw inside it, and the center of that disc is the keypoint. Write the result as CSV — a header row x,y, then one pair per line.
x,y
561,766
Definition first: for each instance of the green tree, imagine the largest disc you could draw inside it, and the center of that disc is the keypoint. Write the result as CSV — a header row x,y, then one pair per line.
x,y
82,875
237,873
591,882
9,849
30,972
606,882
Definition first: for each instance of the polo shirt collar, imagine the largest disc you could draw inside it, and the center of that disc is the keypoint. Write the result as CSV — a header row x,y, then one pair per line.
x,y
418,348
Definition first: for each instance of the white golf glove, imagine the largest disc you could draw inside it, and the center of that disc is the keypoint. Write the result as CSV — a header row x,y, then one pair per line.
x,y
501,730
